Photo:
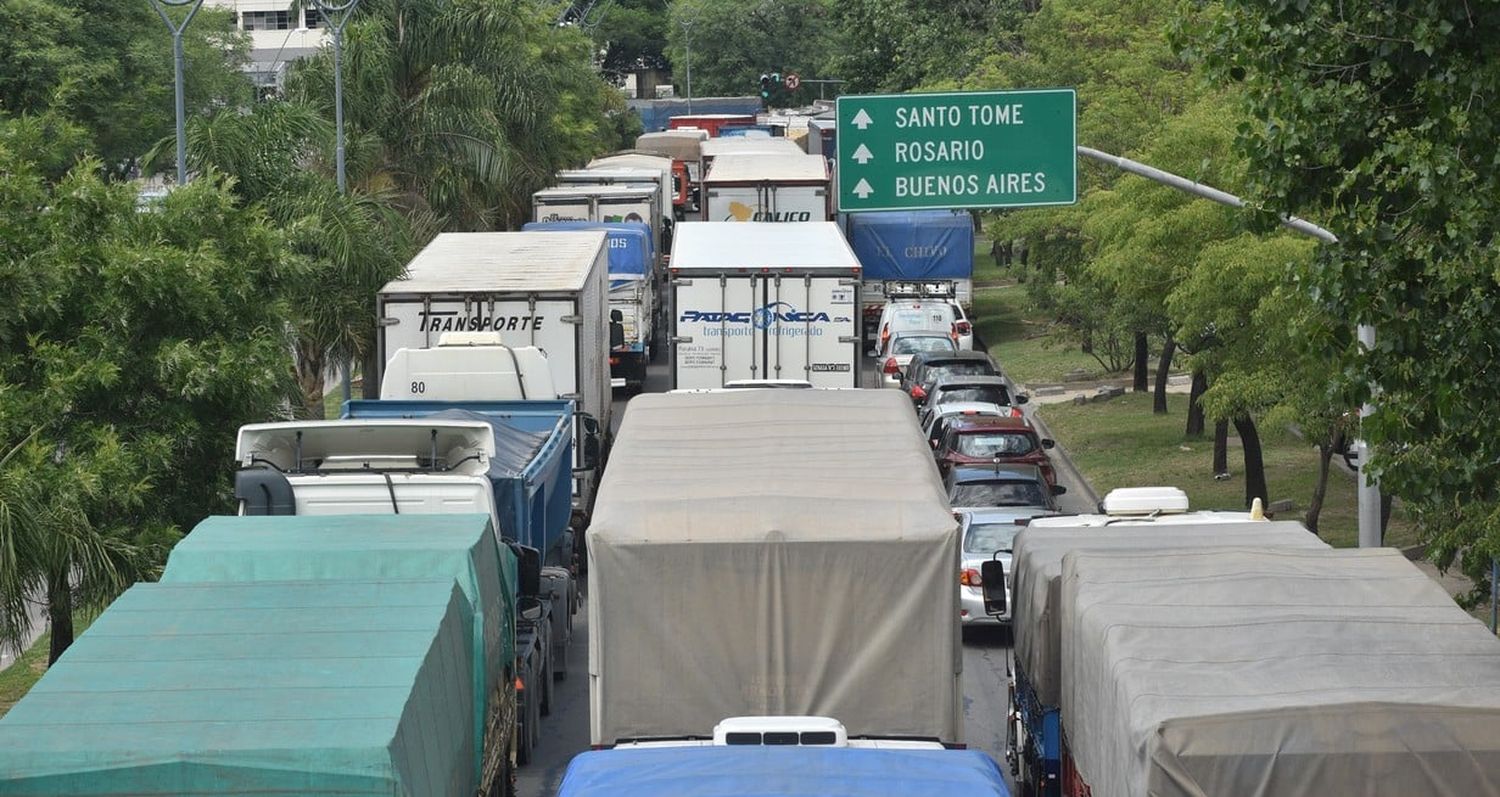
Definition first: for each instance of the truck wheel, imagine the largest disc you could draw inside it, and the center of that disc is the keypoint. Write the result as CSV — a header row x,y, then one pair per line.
x,y
546,687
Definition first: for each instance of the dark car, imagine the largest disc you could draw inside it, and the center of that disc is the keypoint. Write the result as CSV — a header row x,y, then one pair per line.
x,y
986,440
973,486
926,368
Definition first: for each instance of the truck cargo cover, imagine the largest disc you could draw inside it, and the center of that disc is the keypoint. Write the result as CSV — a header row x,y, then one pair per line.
x,y
358,687
630,259
1037,570
756,167
501,262
759,552
913,245
355,547
803,245
782,772
1274,672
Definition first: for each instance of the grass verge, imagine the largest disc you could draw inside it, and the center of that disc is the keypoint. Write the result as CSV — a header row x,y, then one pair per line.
x,y
1120,443
1019,343
23,673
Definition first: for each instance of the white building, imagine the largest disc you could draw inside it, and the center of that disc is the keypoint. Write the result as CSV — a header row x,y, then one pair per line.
x,y
279,34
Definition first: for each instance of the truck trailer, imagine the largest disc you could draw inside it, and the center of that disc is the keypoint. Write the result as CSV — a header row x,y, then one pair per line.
x,y
543,289
741,565
931,251
1259,672
766,187
286,656
764,301
1134,519
601,202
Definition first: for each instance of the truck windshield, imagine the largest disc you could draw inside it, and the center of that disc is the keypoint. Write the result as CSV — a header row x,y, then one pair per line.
x,y
998,493
995,444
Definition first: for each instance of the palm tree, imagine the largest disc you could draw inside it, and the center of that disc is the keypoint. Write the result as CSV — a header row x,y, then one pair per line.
x,y
49,549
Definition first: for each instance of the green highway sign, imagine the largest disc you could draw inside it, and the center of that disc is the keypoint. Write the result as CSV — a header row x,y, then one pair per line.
x,y
972,149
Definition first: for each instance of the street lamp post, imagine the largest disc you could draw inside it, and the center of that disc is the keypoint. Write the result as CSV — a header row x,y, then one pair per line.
x,y
687,34
177,63
336,15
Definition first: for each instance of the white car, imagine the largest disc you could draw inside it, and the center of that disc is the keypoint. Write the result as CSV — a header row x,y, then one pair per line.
x,y
899,348
902,315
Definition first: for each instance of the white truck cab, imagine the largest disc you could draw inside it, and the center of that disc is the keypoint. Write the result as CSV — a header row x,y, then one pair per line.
x,y
469,366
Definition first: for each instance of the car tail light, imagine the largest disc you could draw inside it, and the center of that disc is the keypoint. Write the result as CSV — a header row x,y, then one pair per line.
x,y
917,392
964,328
954,333
892,367
969,577
614,361
1015,412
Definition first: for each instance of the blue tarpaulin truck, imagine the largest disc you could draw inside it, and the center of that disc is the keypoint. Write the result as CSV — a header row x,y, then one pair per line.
x,y
924,249
633,293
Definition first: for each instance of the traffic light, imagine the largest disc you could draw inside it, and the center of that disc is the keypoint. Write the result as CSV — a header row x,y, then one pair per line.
x,y
765,87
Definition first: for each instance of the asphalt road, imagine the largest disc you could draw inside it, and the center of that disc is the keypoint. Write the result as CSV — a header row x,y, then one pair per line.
x,y
986,662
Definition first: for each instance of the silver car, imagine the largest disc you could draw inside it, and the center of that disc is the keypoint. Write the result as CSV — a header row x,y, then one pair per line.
x,y
988,534
902,346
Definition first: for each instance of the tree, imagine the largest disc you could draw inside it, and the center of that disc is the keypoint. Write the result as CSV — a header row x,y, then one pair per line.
x,y
735,42
633,35
1376,117
900,45
107,66
135,345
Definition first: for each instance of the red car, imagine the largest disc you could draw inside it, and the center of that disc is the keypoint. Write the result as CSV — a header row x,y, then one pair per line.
x,y
987,439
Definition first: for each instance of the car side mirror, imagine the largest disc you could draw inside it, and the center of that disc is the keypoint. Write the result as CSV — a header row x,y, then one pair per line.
x,y
992,574
1048,443
1058,489
1022,398
589,445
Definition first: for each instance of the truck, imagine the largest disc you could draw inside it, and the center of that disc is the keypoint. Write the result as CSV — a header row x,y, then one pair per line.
x,y
766,187
685,148
925,252
630,201
287,656
1269,671
670,180
1149,518
714,147
712,123
747,753
764,301
543,289
827,600
633,294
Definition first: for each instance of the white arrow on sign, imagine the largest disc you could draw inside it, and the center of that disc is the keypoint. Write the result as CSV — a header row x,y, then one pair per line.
x,y
862,120
863,154
862,189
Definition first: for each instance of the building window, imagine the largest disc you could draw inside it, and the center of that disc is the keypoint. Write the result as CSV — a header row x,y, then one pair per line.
x,y
266,20
315,19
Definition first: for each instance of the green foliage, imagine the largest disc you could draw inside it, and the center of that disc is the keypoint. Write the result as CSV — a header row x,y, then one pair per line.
x,y
735,42
900,45
134,345
107,66
461,110
633,35
1376,117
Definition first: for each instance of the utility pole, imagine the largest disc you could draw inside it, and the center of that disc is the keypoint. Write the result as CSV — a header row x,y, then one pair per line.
x,y
336,15
177,67
1368,489
687,34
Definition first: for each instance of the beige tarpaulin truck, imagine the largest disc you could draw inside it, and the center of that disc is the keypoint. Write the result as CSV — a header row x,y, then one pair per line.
x,y
759,552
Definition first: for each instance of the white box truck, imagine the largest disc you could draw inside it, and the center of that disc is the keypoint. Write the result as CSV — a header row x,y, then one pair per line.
x,y
739,145
617,202
741,566
759,187
543,289
764,301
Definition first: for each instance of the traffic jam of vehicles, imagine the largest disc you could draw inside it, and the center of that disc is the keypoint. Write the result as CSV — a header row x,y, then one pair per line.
x,y
778,558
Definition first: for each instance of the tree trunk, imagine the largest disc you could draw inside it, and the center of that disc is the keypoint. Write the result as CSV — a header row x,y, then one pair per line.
x,y
1195,404
1385,513
59,615
369,385
309,369
1087,344
1221,447
1168,348
1255,465
1142,370
1326,451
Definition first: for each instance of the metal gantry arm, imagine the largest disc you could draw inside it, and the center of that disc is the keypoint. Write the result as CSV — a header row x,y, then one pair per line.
x,y
1369,489
177,28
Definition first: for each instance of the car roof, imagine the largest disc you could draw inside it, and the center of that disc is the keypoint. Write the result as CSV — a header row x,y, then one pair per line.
x,y
965,474
960,356
973,379
976,516
978,408
1003,423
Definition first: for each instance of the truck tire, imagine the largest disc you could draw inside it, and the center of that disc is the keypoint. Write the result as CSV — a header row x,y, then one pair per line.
x,y
545,687
523,737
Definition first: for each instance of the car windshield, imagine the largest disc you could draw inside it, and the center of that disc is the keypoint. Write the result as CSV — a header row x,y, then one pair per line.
x,y
1000,492
990,537
995,444
912,344
979,394
960,368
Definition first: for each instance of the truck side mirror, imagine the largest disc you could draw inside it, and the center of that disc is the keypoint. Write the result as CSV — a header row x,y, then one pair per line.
x,y
992,573
528,569
588,442
1022,399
